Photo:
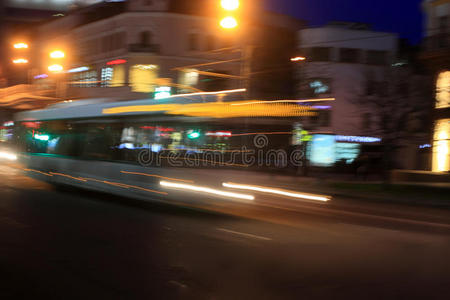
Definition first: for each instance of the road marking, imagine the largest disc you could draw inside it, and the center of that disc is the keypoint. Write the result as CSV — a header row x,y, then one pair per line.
x,y
258,237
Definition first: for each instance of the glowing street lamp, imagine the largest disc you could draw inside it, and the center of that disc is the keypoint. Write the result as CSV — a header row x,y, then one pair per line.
x,y
229,23
230,4
21,46
20,61
57,54
55,68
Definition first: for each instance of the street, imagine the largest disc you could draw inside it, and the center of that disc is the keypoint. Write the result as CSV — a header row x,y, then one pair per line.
x,y
64,243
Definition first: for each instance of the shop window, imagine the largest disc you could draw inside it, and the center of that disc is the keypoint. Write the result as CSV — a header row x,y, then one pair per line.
x,y
118,77
443,90
441,146
188,78
143,78
106,77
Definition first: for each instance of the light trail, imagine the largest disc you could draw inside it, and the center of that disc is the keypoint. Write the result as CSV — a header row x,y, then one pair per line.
x,y
283,101
68,176
281,192
36,171
206,190
262,133
7,155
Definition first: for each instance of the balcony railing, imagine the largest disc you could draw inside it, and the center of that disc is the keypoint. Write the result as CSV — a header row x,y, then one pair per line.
x,y
143,48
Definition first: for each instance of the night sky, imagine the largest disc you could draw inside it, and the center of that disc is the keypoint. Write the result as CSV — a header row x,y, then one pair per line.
x,y
400,16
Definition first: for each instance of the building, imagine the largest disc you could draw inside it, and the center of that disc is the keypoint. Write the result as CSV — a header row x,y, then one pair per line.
x,y
151,48
370,82
436,55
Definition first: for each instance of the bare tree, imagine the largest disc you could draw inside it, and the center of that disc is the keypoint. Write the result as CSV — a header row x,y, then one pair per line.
x,y
401,107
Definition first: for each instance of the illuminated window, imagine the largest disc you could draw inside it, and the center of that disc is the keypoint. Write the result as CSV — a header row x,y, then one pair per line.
x,y
188,78
118,78
107,74
443,90
143,78
441,146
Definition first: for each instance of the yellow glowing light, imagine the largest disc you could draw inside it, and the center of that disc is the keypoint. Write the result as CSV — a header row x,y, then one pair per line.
x,y
229,23
219,110
8,156
210,93
441,147
21,46
206,190
298,58
443,90
20,61
281,192
57,54
55,68
230,4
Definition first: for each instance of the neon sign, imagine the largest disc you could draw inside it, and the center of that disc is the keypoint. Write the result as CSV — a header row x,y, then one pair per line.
x,y
116,62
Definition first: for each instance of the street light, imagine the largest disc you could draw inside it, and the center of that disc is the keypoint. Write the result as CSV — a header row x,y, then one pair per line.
x,y
20,61
57,54
229,23
21,46
55,68
230,4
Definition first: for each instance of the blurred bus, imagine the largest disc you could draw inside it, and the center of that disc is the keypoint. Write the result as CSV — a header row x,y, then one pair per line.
x,y
130,146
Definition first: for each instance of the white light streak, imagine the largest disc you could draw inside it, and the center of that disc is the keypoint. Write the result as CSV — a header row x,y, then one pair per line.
x,y
206,190
276,191
210,93
8,156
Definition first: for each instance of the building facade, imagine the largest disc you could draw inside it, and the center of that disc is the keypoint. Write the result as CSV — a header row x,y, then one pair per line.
x,y
363,72
138,46
152,47
436,54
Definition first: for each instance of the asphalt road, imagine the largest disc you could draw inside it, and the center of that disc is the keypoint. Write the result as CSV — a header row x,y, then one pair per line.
x,y
73,244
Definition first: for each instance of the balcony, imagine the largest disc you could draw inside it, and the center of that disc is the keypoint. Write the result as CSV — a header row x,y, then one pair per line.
x,y
144,48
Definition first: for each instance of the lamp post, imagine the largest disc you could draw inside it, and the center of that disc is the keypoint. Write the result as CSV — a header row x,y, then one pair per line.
x,y
20,58
232,10
57,67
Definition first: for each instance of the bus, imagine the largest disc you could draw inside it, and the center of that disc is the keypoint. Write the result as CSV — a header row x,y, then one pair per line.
x,y
148,148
